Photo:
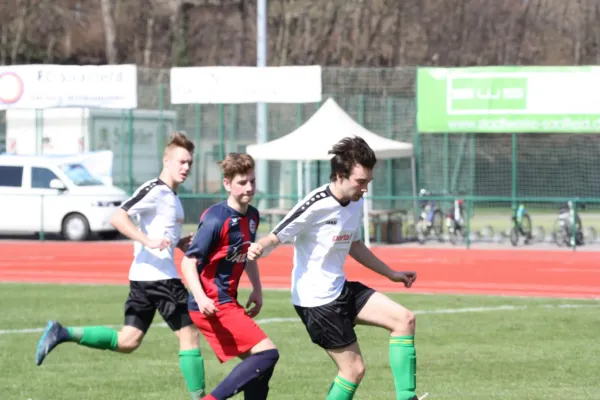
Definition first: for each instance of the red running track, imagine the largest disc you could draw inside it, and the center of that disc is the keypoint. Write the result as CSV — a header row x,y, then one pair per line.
x,y
460,271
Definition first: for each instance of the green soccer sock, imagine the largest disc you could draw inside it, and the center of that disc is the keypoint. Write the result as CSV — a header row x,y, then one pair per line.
x,y
191,364
341,389
96,337
403,360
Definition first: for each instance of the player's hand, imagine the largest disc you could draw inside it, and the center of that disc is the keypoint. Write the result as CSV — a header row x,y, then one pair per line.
x,y
184,243
207,306
159,243
256,299
406,277
254,251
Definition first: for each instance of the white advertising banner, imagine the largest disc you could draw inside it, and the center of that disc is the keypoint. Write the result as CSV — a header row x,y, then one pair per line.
x,y
236,85
51,86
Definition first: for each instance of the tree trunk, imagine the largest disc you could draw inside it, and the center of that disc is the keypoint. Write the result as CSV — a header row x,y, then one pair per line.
x,y
110,31
149,40
22,10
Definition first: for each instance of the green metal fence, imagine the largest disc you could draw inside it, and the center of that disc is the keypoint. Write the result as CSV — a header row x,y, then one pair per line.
x,y
482,221
493,172
380,99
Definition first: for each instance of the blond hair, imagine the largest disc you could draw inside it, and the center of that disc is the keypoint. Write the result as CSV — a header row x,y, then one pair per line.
x,y
179,139
236,164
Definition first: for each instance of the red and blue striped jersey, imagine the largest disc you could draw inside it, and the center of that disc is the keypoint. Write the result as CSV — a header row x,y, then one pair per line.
x,y
221,247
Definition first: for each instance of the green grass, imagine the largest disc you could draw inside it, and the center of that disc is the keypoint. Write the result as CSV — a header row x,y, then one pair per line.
x,y
533,352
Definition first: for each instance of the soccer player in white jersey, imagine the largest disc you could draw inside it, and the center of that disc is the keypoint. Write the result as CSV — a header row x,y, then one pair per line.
x,y
325,228
153,278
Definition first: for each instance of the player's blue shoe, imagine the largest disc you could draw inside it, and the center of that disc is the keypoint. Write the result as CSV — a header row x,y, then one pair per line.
x,y
53,335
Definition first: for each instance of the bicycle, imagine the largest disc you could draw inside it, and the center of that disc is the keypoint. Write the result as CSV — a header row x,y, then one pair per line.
x,y
563,226
430,219
455,221
521,225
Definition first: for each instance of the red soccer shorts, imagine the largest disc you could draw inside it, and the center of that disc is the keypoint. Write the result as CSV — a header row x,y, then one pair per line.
x,y
230,332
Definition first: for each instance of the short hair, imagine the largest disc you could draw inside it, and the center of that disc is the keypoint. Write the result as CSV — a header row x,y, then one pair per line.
x,y
236,163
347,153
179,139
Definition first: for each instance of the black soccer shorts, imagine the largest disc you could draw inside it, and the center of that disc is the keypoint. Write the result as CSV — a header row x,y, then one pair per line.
x,y
169,297
331,326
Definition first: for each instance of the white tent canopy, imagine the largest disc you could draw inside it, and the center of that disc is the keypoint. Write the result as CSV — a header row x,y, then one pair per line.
x,y
316,137
313,140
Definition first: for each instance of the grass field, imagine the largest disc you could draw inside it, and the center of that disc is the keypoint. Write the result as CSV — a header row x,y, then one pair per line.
x,y
468,347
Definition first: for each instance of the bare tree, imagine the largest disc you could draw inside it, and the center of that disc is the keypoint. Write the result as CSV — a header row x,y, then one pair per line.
x,y
110,31
397,47
162,33
22,12
149,40
5,15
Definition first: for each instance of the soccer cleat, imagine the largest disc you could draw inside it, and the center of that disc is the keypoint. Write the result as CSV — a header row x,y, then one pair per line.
x,y
53,335
420,398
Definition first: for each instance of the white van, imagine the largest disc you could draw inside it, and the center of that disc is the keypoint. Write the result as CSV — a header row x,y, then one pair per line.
x,y
54,195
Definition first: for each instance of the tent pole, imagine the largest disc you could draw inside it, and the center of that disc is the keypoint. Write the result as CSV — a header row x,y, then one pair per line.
x,y
366,208
300,179
307,177
414,186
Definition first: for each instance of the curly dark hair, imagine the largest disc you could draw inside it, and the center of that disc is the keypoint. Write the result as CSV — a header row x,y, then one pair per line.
x,y
236,163
347,153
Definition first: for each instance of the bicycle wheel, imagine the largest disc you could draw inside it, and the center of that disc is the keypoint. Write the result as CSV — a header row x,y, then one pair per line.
x,y
526,227
437,224
456,232
539,234
590,235
579,235
514,236
558,233
422,231
450,224
410,232
488,232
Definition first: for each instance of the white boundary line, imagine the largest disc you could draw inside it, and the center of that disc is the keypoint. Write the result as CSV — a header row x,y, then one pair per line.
x,y
265,321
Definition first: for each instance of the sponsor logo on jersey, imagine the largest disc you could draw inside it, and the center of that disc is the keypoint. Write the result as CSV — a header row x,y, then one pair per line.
x,y
343,237
238,254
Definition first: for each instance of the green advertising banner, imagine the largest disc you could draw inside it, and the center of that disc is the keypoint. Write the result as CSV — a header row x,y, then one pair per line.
x,y
508,99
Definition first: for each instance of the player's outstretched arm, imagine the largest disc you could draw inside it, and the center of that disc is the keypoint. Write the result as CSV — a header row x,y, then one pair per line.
x,y
125,225
365,256
263,247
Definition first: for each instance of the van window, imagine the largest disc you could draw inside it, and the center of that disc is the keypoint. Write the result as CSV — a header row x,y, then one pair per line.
x,y
11,176
41,177
79,175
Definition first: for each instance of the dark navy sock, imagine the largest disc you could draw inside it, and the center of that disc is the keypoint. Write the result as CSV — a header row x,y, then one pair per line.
x,y
255,366
258,389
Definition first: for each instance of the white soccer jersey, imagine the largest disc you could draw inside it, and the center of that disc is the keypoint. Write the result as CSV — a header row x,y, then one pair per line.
x,y
323,230
160,215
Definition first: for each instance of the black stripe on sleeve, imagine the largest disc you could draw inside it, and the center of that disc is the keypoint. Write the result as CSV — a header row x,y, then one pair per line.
x,y
139,195
307,202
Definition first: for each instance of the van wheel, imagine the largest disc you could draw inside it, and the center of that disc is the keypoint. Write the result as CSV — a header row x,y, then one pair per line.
x,y
75,227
